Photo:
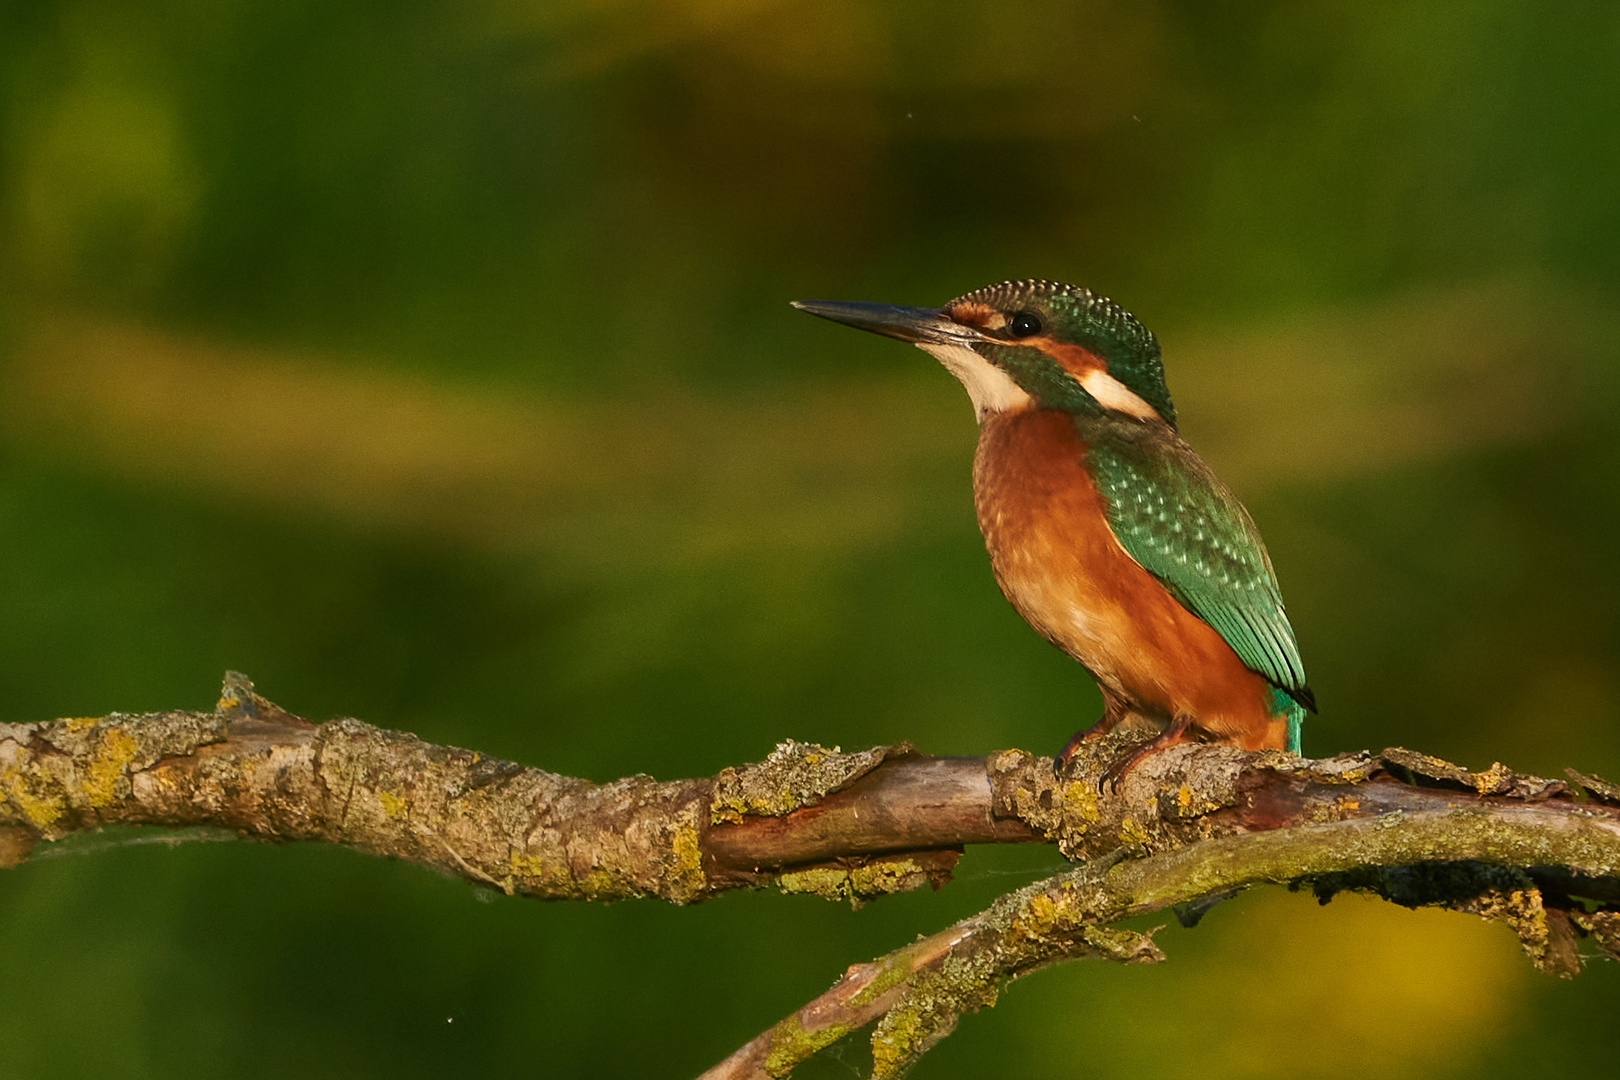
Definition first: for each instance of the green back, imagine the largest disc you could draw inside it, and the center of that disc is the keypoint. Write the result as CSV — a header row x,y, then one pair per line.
x,y
1183,526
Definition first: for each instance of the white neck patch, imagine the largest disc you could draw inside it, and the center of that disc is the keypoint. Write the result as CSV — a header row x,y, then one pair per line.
x,y
991,389
1115,395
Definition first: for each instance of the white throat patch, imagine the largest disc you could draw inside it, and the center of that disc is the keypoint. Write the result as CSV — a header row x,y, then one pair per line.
x,y
991,389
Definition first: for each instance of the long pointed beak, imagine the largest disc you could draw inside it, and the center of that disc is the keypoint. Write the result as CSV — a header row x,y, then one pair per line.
x,y
920,326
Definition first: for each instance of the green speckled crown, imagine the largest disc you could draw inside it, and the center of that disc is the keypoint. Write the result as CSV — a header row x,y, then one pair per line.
x,y
1081,316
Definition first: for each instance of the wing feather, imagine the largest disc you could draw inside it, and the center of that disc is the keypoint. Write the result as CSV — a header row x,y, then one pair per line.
x,y
1181,524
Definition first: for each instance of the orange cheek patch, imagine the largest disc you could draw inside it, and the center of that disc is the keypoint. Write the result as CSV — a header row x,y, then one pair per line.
x,y
973,313
1077,361
1088,369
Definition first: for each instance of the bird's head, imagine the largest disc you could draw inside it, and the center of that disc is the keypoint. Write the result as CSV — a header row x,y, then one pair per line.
x,y
1023,344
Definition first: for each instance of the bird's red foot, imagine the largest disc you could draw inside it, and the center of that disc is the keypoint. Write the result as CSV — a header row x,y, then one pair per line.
x,y
1110,720
1072,745
1173,735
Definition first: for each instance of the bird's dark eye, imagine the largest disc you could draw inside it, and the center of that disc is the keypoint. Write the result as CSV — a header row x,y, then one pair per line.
x,y
1023,324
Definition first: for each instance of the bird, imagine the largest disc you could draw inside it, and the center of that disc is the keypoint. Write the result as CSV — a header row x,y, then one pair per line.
x,y
1107,533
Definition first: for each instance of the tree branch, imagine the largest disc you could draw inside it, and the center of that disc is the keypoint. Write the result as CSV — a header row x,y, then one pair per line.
x,y
1185,828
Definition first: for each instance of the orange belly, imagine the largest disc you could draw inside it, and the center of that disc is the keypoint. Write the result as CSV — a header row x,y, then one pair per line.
x,y
1059,564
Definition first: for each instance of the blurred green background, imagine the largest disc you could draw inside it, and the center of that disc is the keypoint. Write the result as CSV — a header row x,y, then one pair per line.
x,y
433,364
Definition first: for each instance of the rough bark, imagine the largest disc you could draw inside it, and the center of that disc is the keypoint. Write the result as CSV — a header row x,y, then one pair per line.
x,y
1183,829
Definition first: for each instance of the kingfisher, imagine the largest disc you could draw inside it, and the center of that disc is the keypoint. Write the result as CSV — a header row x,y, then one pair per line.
x,y
1108,534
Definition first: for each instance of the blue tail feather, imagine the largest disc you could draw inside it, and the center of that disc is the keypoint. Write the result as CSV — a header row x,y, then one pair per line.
x,y
1286,706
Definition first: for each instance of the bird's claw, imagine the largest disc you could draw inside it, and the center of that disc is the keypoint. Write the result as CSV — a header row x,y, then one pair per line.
x,y
1176,733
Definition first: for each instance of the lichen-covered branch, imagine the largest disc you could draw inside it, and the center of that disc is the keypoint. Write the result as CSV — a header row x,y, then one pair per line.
x,y
1184,828
1192,826
917,993
252,767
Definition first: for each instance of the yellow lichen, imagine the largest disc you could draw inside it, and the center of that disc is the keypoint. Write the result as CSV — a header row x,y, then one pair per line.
x,y
792,1044
820,881
106,768
1081,799
1494,779
854,883
1522,909
1131,832
540,874
600,883
394,806
894,972
894,1042
1126,946
1039,916
929,1010
40,810
527,865
687,881
794,775
889,876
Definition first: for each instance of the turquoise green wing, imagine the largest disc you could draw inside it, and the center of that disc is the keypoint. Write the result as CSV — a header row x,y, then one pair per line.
x,y
1181,524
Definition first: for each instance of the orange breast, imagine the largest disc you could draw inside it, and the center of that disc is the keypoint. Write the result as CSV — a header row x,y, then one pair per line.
x,y
1059,564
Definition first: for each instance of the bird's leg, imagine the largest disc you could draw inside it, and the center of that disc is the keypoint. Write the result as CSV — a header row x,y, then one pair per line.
x,y
1172,735
1113,713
